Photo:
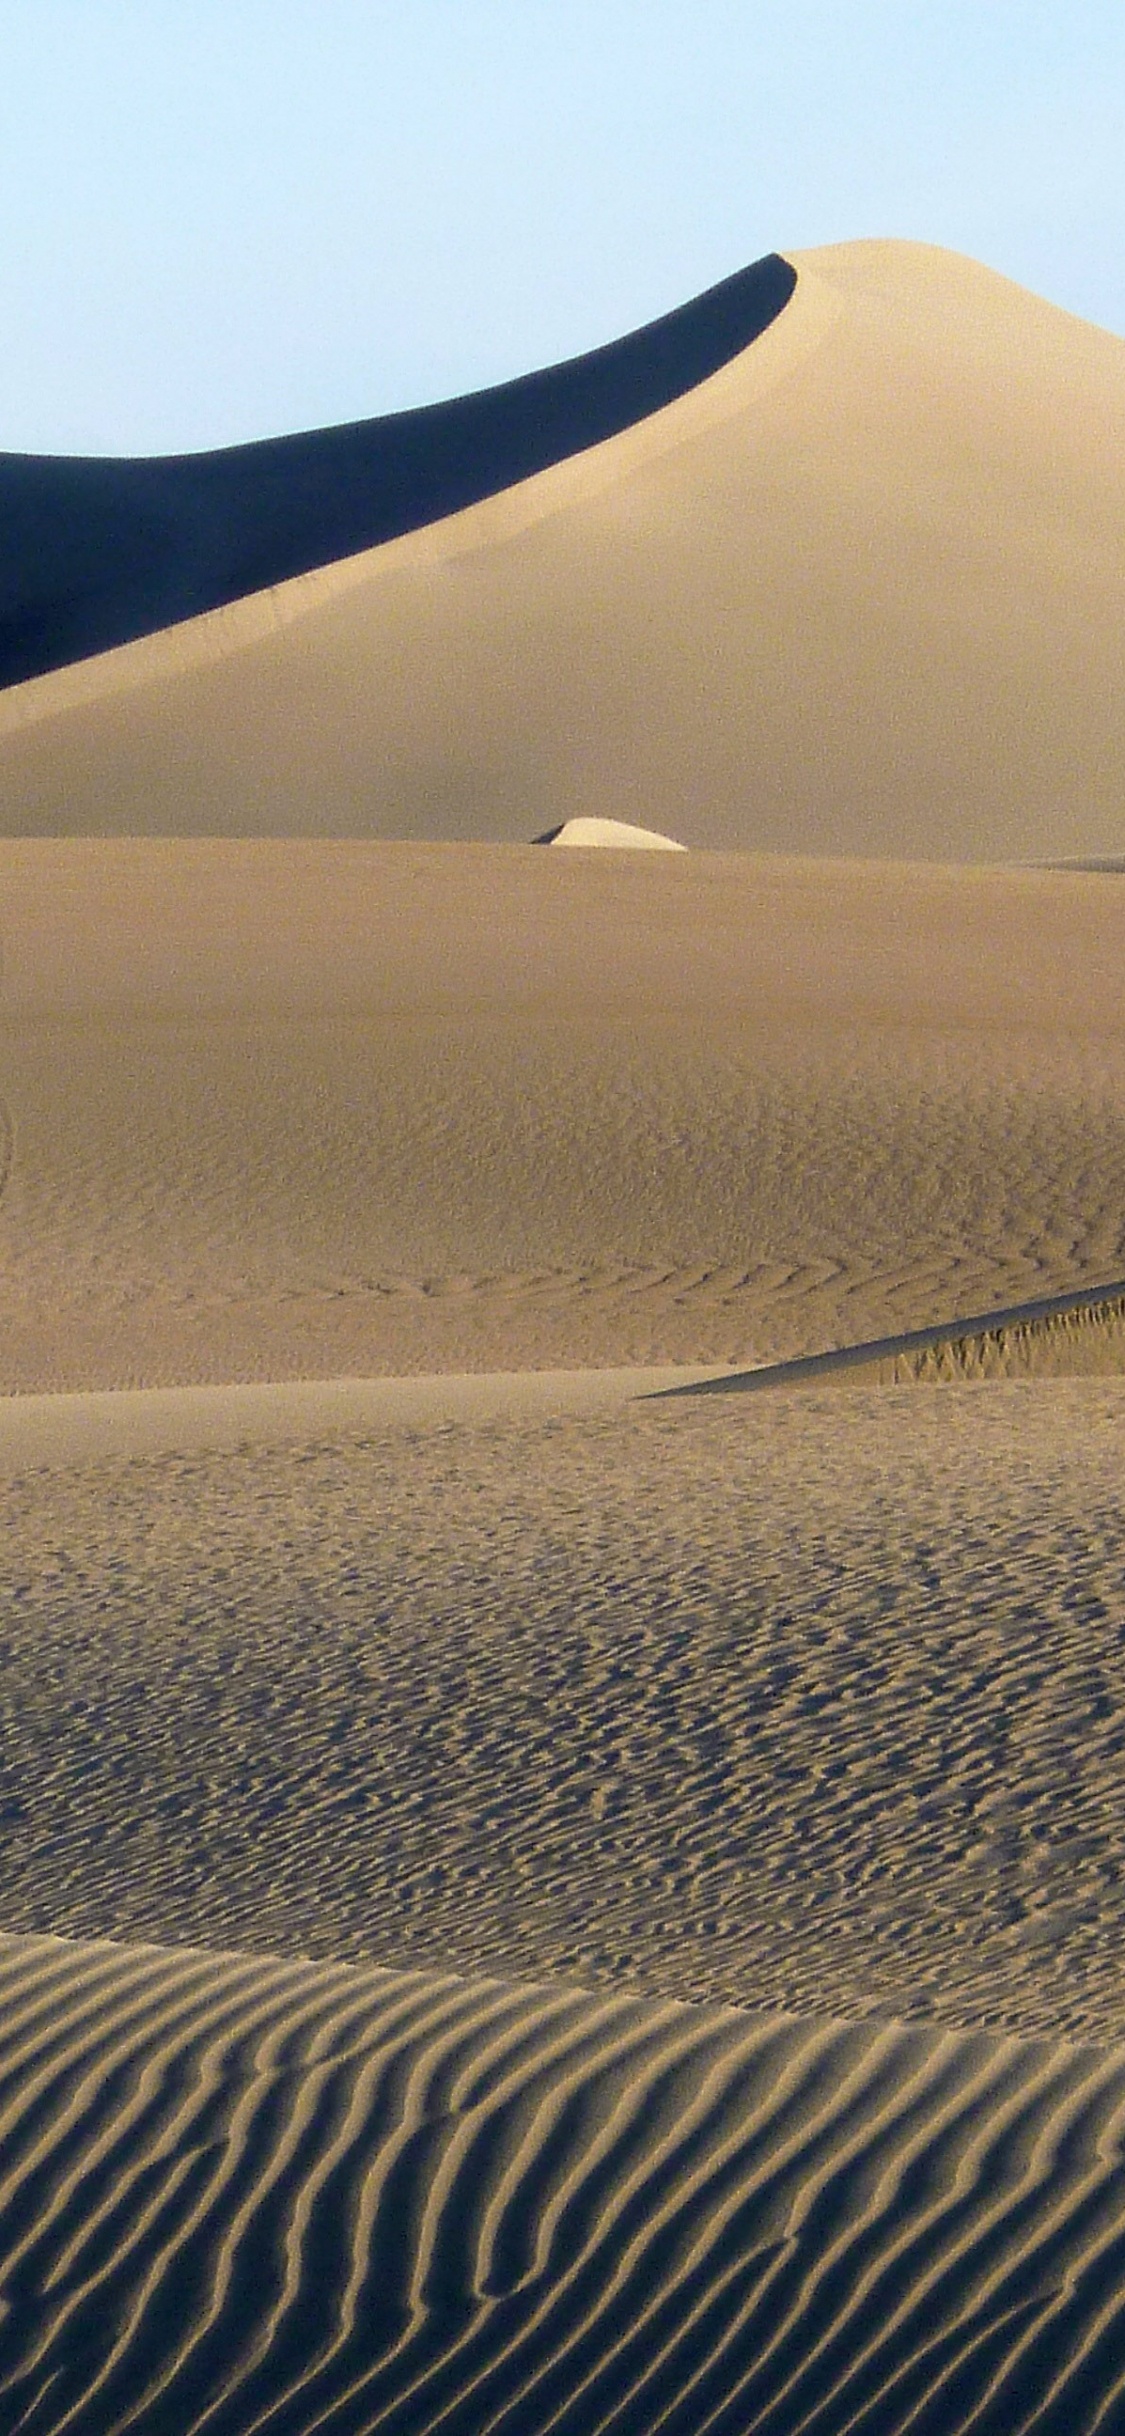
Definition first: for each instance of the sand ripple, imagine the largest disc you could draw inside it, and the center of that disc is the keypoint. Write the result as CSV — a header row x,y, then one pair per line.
x,y
813,1699
249,2195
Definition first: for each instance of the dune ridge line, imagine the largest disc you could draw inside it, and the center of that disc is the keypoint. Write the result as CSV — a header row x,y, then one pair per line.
x,y
100,551
994,1344
751,601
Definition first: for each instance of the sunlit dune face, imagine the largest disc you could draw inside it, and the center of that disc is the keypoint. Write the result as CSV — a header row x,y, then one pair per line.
x,y
856,592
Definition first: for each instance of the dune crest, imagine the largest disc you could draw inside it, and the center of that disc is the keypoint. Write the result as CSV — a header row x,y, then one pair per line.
x,y
96,551
619,833
857,591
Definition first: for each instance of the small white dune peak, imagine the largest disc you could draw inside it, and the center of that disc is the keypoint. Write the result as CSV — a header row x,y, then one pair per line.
x,y
608,833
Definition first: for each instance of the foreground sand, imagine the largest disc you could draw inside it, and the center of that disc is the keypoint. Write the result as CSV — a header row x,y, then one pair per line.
x,y
809,1700
614,1901
805,1706
243,2196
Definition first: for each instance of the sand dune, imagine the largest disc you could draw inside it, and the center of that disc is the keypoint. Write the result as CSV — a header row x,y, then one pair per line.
x,y
1079,1335
320,1110
594,1907
97,551
611,833
251,2196
856,592
808,1700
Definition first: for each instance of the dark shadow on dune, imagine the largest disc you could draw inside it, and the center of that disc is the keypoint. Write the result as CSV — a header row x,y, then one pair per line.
x,y
95,551
992,1344
302,2203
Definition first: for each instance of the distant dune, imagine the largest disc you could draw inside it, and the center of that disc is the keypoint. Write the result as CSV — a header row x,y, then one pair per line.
x,y
350,2201
856,590
619,833
96,551
562,1414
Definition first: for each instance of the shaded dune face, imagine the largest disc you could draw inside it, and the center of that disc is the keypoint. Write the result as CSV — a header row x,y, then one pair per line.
x,y
332,2200
857,591
98,551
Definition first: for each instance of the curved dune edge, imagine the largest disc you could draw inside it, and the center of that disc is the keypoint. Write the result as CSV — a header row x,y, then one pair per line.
x,y
1062,1336
87,1427
101,550
1080,1335
856,592
502,518
611,833
308,2197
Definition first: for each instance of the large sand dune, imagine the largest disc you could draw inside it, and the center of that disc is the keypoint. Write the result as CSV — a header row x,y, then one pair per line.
x,y
243,2197
858,591
592,1908
96,551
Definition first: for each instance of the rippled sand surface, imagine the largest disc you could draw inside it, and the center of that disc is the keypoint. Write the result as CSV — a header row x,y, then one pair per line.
x,y
529,1903
244,2195
304,1110
814,1701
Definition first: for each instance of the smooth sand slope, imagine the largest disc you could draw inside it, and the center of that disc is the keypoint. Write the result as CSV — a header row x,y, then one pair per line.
x,y
256,2197
97,551
316,1110
857,592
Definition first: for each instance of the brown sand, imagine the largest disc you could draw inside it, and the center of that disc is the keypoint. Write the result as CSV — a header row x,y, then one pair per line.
x,y
595,1785
808,1701
361,2201
313,1110
812,1700
858,593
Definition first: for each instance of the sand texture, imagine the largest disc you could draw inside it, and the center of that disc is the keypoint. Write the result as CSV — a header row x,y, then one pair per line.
x,y
857,592
562,1415
810,1700
317,1110
243,2196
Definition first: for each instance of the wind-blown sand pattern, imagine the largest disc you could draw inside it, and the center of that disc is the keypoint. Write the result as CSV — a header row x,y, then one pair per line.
x,y
296,1109
1088,1343
562,1415
259,2197
811,1699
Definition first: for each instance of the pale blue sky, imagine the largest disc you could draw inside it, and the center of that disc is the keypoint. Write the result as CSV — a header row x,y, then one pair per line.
x,y
223,218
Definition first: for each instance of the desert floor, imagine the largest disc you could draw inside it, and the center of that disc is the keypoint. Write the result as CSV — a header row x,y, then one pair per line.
x,y
531,1901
